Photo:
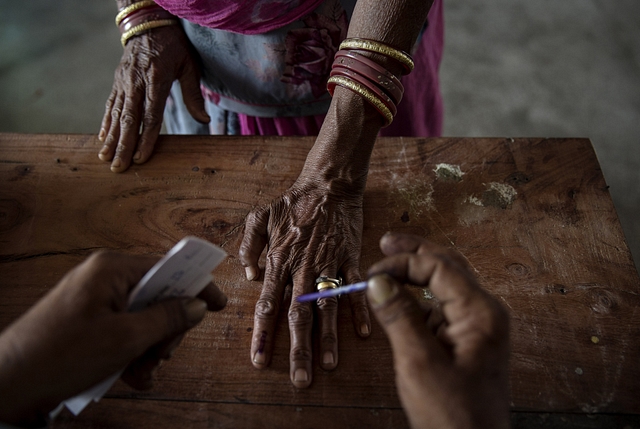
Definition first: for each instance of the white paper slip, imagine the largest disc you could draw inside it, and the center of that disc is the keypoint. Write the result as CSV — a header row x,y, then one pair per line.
x,y
182,273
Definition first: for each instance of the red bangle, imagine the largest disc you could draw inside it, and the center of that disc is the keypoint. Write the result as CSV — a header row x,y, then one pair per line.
x,y
143,15
371,70
371,86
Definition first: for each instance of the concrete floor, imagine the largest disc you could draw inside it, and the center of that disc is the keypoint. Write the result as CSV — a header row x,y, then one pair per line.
x,y
514,68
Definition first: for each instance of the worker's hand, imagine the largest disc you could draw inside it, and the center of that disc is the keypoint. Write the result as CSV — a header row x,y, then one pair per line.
x,y
313,230
80,333
450,360
134,110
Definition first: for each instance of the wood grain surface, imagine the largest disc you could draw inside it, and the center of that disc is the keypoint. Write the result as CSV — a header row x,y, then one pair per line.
x,y
533,217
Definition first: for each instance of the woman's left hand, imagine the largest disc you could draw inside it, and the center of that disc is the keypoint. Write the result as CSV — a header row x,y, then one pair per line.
x,y
314,229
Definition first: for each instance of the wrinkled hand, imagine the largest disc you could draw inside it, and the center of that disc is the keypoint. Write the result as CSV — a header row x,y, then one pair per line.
x,y
312,230
133,115
450,361
80,333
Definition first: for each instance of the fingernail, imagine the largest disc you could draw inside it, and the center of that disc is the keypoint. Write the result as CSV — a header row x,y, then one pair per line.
x,y
103,153
327,358
116,163
381,288
195,310
259,358
251,273
300,375
364,329
137,156
102,134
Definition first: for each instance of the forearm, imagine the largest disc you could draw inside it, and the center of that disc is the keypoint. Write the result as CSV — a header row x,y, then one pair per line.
x,y
346,140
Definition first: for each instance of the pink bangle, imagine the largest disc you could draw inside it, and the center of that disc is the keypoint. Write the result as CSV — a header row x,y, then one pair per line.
x,y
143,15
371,70
375,89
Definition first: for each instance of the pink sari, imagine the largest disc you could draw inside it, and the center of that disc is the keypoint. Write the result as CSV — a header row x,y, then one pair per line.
x,y
241,16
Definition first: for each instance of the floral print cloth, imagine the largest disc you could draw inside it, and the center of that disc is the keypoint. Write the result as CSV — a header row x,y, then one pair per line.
x,y
275,83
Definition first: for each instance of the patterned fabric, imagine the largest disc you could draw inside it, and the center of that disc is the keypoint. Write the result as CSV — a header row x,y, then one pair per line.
x,y
240,16
275,83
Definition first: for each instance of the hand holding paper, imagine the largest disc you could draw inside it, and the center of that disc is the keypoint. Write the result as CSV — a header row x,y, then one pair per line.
x,y
63,338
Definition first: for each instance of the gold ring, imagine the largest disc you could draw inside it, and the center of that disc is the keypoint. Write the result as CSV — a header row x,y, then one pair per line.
x,y
324,282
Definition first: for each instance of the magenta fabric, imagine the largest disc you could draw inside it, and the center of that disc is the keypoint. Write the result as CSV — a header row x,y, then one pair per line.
x,y
284,126
241,16
420,113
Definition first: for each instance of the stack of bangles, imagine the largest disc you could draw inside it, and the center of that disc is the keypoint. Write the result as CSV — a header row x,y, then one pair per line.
x,y
381,88
142,16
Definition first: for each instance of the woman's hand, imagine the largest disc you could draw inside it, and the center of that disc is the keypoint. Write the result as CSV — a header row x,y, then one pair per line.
x,y
313,230
451,361
133,115
80,333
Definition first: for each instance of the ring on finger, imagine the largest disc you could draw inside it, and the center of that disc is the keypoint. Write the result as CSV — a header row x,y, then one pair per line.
x,y
324,282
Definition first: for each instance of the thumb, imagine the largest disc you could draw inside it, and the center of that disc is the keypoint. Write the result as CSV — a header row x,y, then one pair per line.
x,y
403,320
192,94
164,320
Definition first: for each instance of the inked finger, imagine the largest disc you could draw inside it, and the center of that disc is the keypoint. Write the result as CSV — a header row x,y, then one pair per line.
x,y
254,240
300,330
266,315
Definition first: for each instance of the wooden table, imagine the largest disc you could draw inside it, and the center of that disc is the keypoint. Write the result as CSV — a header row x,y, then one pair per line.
x,y
533,217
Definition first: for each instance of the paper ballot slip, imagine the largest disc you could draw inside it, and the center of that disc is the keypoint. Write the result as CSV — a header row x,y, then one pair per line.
x,y
182,273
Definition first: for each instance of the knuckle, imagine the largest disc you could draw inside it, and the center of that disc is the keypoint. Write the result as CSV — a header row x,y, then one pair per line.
x,y
128,120
300,315
266,308
151,119
329,338
300,354
328,305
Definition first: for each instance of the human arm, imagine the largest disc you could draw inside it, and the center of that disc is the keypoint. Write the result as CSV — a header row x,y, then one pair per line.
x,y
150,63
80,333
315,228
450,360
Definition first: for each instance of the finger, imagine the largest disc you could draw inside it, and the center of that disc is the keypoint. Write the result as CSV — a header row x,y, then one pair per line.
x,y
109,148
192,94
328,324
393,243
472,314
124,270
166,348
156,98
216,300
402,319
129,131
162,321
106,118
300,330
266,314
254,240
358,302
139,373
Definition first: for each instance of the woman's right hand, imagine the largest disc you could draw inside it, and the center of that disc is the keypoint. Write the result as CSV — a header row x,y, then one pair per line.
x,y
151,62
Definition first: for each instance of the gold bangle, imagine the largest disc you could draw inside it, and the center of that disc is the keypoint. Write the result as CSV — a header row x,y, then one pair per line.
x,y
366,94
380,48
145,26
132,8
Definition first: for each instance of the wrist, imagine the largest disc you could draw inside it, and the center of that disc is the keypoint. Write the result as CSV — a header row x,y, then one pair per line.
x,y
343,148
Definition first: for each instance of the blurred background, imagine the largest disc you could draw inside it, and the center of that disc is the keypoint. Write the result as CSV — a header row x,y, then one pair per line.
x,y
512,68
